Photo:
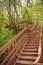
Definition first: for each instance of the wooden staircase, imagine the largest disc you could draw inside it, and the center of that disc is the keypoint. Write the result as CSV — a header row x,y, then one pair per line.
x,y
23,49
29,52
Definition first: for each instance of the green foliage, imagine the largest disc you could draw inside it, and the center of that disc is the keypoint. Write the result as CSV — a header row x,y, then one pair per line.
x,y
34,14
5,36
16,15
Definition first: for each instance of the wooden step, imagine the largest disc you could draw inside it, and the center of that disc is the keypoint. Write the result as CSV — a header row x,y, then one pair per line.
x,y
30,50
39,64
22,62
31,47
27,58
32,44
29,54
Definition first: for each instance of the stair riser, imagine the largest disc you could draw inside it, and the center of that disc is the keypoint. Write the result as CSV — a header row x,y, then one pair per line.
x,y
29,54
26,59
29,51
31,48
32,44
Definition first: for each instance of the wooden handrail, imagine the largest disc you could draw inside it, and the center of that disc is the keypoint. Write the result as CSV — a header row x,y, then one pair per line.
x,y
39,51
5,47
13,52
